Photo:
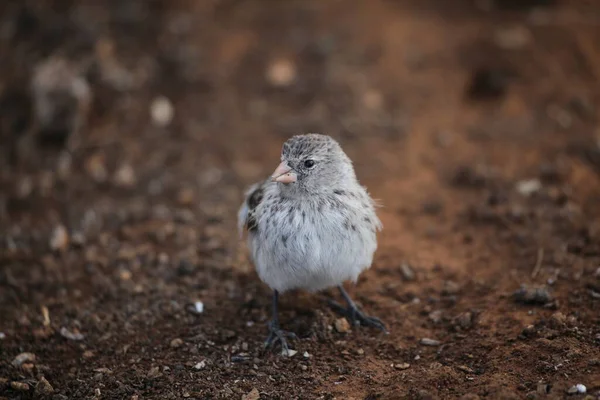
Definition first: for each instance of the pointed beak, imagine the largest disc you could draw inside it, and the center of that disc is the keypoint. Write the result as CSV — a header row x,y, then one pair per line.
x,y
284,174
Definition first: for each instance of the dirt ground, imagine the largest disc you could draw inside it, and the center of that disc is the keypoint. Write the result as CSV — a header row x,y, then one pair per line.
x,y
474,123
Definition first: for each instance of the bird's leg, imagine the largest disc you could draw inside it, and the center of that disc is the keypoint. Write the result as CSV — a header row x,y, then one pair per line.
x,y
276,334
353,314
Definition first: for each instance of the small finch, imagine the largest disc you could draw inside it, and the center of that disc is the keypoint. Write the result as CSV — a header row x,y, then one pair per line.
x,y
311,226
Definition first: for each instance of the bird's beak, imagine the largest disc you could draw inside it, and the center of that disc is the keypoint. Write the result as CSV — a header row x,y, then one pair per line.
x,y
284,174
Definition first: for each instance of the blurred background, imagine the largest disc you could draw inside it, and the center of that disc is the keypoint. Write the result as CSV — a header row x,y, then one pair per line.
x,y
129,131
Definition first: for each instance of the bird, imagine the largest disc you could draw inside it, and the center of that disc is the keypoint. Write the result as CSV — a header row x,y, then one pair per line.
x,y
311,226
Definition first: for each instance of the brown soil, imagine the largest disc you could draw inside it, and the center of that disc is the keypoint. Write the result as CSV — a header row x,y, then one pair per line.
x,y
475,124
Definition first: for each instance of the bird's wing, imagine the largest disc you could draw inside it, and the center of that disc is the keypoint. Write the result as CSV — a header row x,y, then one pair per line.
x,y
246,218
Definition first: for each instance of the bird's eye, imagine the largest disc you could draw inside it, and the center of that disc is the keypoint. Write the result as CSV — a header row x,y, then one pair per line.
x,y
309,163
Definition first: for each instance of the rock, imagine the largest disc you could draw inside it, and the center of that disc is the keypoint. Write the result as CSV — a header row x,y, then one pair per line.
x,y
198,307
436,316
289,353
342,325
407,272
23,358
43,387
78,239
558,319
430,342
281,73
200,365
252,395
175,343
59,240
536,295
20,386
162,111
577,389
450,288
464,368
306,355
67,334
465,320
2,335
153,373
529,187
88,354
125,176
402,366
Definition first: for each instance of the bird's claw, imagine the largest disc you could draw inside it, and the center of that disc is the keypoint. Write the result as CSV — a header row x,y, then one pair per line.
x,y
276,334
357,317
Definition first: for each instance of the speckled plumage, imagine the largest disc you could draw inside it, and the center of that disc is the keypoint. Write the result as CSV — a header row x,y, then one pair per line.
x,y
311,226
315,233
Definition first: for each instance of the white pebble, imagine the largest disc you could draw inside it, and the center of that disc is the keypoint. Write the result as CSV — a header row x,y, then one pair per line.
x,y
59,239
529,187
199,307
2,335
125,176
162,111
289,353
306,355
581,388
200,365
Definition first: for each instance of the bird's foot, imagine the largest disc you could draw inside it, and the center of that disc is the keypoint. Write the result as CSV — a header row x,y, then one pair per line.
x,y
357,317
276,334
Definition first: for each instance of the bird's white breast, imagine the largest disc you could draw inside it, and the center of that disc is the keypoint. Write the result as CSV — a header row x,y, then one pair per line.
x,y
313,244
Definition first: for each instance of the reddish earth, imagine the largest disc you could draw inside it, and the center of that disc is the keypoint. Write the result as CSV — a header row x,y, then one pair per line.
x,y
475,124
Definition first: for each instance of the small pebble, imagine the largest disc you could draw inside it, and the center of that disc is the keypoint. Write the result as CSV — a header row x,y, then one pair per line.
x,y
43,388
162,111
2,335
289,353
199,307
59,240
536,295
281,73
23,358
407,272
465,320
252,395
20,386
175,343
577,389
125,176
342,325
306,355
430,342
88,354
529,187
200,365
402,366
67,334
450,288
